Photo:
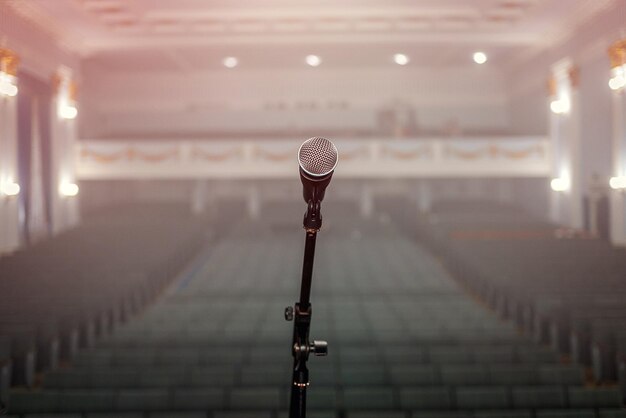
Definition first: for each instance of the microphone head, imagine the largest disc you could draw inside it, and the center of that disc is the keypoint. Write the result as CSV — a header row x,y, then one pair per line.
x,y
318,157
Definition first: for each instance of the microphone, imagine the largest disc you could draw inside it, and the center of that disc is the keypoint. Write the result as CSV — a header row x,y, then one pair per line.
x,y
317,158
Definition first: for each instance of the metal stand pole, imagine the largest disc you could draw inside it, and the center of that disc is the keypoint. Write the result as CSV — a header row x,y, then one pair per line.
x,y
301,314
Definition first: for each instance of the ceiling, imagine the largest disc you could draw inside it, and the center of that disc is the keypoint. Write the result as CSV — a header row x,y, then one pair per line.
x,y
194,35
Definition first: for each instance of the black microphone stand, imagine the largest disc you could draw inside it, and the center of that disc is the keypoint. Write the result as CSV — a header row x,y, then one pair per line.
x,y
301,315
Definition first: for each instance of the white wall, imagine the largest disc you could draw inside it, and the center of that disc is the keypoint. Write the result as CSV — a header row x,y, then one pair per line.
x,y
41,55
587,47
136,104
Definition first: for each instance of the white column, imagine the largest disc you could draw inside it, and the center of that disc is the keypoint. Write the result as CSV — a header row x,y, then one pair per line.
x,y
9,205
618,197
37,227
63,138
565,205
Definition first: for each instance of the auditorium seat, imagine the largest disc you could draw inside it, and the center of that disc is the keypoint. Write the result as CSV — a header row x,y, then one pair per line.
x,y
581,397
538,397
565,414
483,397
503,414
405,340
520,266
427,398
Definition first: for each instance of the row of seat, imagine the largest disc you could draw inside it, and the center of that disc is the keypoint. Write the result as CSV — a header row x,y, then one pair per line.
x,y
60,294
316,413
472,353
405,341
275,397
327,374
565,292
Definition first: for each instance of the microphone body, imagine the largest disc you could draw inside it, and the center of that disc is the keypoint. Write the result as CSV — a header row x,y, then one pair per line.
x,y
317,158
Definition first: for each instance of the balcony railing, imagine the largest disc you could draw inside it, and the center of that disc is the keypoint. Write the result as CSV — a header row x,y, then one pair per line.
x,y
382,158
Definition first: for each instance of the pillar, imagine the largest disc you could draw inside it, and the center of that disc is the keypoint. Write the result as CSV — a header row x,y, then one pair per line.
x,y
63,139
617,54
566,206
9,181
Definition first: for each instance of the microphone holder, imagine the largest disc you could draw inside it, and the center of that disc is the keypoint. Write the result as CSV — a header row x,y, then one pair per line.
x,y
301,315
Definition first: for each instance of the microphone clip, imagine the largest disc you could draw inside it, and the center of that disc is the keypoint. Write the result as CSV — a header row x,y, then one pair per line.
x,y
313,216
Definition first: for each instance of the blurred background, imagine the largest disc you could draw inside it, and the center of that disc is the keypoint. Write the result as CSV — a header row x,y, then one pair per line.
x,y
471,262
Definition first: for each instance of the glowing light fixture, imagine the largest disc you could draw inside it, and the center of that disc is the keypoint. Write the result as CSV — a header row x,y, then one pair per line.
x,y
8,72
618,78
559,184
617,55
10,188
618,183
68,189
66,91
313,60
560,106
479,57
401,59
68,112
230,62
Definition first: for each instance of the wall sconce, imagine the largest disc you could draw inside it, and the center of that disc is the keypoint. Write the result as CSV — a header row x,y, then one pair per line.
x,y
559,184
10,189
560,106
67,189
66,91
564,79
617,55
67,111
618,183
8,72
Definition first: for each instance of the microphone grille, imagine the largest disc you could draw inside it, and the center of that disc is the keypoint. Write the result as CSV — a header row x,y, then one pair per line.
x,y
318,156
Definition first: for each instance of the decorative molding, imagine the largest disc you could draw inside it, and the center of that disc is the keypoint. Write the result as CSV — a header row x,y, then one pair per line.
x,y
407,158
617,53
9,62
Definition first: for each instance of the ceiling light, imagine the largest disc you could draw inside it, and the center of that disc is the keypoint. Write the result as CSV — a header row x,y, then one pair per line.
x,y
480,57
401,59
230,62
313,60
